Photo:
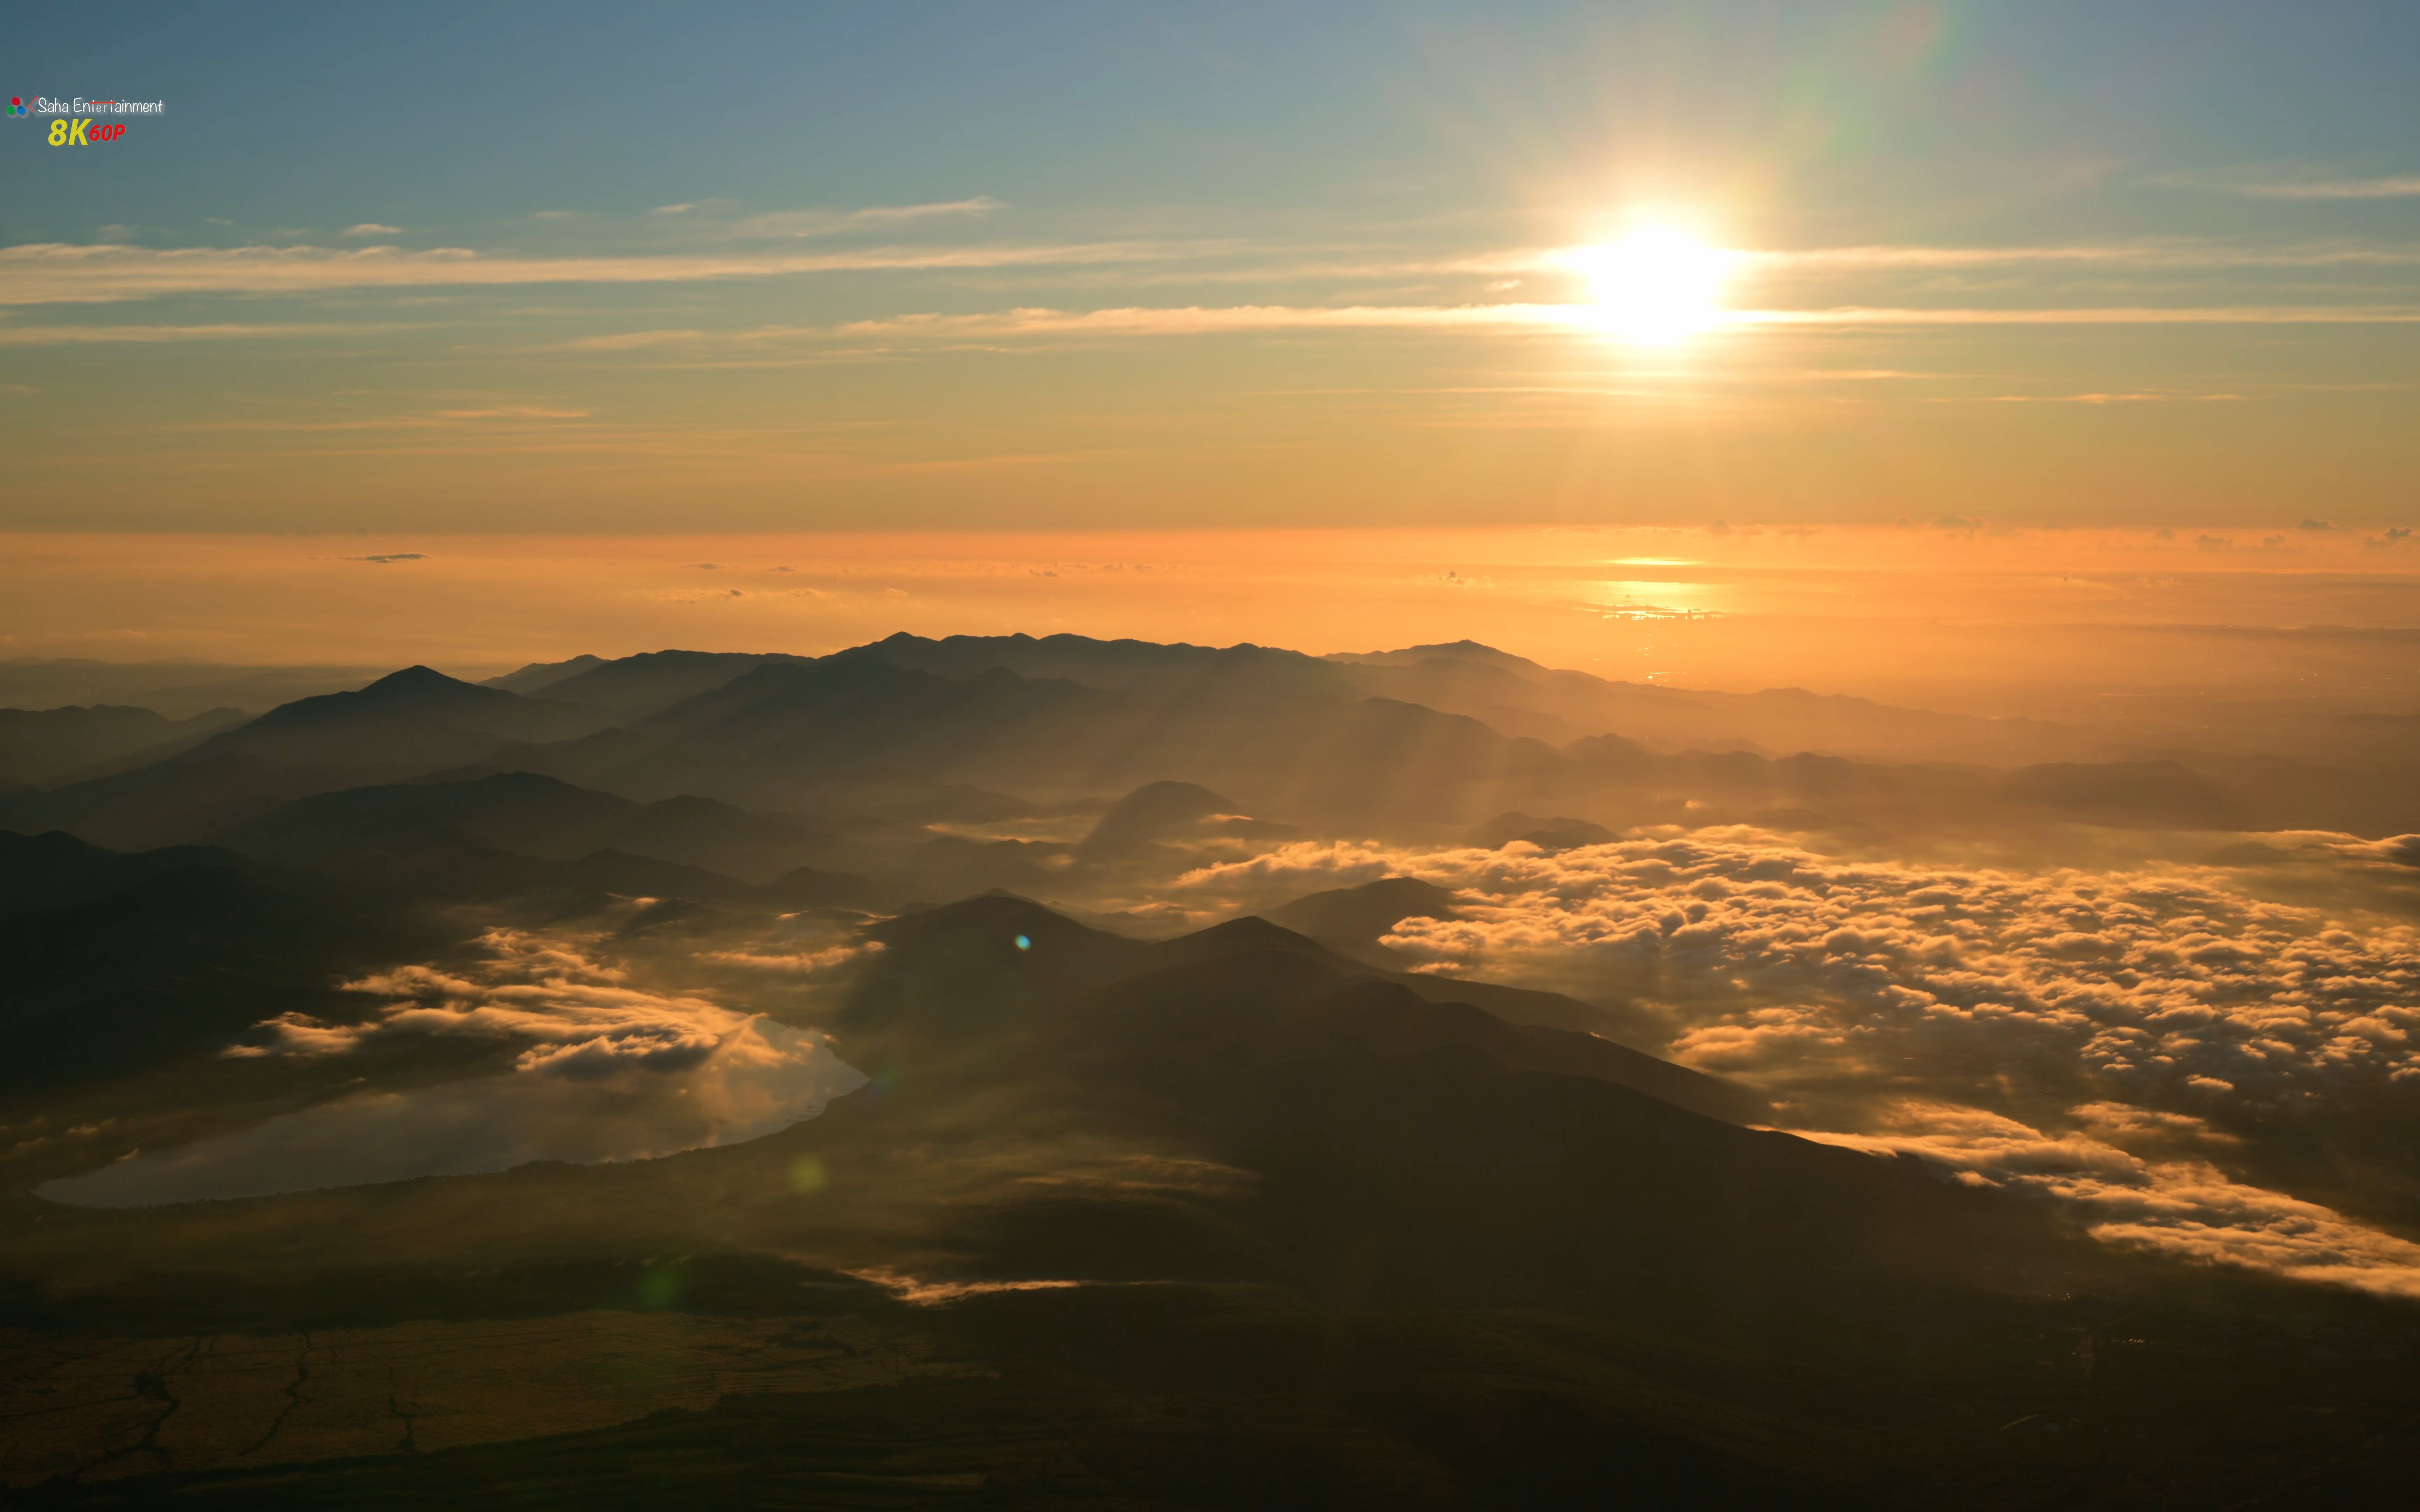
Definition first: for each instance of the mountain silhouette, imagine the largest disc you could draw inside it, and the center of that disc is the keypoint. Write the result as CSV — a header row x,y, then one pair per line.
x,y
1397,1150
406,724
41,747
1546,834
633,687
1352,919
898,726
116,963
538,674
528,814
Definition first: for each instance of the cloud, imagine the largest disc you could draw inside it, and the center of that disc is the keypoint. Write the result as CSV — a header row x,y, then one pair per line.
x,y
1198,320
371,228
2406,186
2185,1209
394,556
794,963
1129,321
2104,1039
2397,850
2169,255
604,1071
920,1293
70,336
2089,398
431,419
1582,319
1792,968
1852,316
835,223
672,209
61,272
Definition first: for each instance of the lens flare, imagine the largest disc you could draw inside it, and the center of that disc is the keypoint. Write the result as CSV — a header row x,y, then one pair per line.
x,y
1655,285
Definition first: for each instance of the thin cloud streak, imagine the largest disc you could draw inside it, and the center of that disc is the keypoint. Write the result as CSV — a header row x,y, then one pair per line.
x,y
442,418
2139,254
65,335
836,223
2406,187
2120,316
67,272
1582,318
1133,320
2183,1206
1146,321
2088,398
64,274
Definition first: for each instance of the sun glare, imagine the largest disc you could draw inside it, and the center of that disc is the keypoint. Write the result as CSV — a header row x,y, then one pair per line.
x,y
1654,286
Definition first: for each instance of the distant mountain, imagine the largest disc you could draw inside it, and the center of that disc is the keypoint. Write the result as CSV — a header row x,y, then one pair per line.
x,y
772,738
2128,793
539,674
1148,670
1156,814
1548,834
889,727
58,871
1357,915
1521,697
114,962
419,704
178,690
43,746
911,732
403,725
525,814
636,686
779,735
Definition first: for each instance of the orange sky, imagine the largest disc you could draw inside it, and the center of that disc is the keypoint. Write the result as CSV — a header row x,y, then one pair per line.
x,y
1897,611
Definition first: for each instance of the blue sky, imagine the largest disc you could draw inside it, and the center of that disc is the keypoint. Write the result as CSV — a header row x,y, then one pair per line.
x,y
461,114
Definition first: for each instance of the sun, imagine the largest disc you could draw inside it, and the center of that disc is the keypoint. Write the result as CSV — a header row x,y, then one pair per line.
x,y
1655,285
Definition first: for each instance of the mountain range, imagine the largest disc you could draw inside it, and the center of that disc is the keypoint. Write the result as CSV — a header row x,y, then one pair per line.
x,y
965,730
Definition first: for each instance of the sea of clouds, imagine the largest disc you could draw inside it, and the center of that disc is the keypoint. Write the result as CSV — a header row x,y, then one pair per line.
x,y
2115,1039
606,1070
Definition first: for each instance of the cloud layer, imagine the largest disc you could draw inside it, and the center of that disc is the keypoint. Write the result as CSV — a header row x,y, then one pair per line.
x,y
606,1071
2164,982
60,272
2185,1208
2159,1010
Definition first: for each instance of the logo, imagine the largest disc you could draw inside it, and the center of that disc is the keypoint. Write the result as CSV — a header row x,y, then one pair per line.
x,y
16,104
78,134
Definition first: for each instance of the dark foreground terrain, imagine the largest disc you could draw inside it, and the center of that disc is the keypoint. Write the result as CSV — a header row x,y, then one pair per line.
x,y
1222,1221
